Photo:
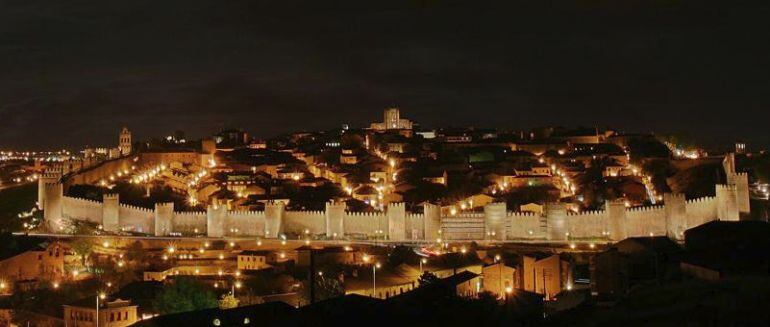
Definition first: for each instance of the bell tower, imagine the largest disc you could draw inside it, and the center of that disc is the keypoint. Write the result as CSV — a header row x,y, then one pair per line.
x,y
124,143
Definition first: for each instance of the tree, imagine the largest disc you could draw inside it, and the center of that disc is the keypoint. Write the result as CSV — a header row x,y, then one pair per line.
x,y
228,301
184,294
325,288
428,278
83,248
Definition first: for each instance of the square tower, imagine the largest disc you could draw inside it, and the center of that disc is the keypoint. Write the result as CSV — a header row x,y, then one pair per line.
x,y
124,142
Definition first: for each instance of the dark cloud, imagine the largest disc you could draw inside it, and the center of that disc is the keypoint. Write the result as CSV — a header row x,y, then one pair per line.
x,y
72,73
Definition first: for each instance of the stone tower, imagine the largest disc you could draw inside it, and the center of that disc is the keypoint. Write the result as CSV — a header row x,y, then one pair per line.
x,y
164,215
616,220
495,215
110,212
124,143
432,228
335,219
396,214
556,221
392,118
48,177
676,215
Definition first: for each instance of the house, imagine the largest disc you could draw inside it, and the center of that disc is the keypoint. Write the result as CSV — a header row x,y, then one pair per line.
x,y
498,278
634,261
436,178
366,193
532,207
545,273
721,249
265,314
344,255
111,313
252,260
348,157
464,284
32,259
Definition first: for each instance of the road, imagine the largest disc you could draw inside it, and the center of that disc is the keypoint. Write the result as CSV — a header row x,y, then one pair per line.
x,y
276,244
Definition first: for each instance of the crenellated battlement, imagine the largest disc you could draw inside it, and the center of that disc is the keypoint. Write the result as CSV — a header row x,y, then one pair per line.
x,y
111,196
586,213
725,187
523,214
701,200
364,214
246,213
556,223
136,208
82,200
644,209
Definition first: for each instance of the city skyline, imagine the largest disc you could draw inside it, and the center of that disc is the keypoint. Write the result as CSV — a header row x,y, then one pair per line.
x,y
397,162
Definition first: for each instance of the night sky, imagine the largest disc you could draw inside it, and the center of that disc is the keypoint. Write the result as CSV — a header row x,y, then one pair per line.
x,y
72,72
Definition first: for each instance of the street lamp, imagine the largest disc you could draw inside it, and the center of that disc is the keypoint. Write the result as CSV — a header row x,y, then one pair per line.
x,y
422,262
499,273
100,296
374,278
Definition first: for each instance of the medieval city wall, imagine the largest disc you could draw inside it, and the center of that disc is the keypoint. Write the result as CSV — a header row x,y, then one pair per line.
x,y
191,222
297,222
587,224
82,209
525,225
136,219
643,221
701,210
495,223
365,223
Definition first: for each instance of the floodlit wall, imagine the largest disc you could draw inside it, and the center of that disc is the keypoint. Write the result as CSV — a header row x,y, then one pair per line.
x,y
701,210
296,222
525,225
191,222
82,209
587,224
645,221
365,223
415,226
240,223
136,219
556,224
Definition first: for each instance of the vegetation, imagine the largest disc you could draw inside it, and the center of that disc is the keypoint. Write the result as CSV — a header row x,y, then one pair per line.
x,y
14,201
327,286
428,278
185,294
